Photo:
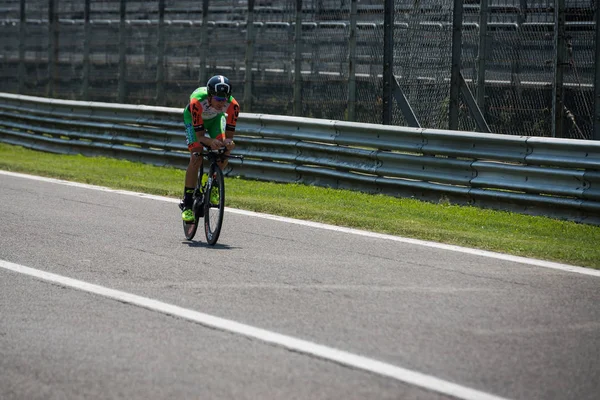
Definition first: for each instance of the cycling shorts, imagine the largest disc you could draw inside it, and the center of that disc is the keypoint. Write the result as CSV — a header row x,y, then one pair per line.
x,y
214,127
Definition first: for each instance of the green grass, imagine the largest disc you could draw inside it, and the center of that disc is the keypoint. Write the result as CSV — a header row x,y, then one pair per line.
x,y
522,235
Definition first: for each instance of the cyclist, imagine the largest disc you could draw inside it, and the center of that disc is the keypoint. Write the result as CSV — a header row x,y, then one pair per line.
x,y
210,119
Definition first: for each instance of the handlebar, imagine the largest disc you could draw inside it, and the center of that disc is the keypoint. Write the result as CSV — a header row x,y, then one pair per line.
x,y
220,152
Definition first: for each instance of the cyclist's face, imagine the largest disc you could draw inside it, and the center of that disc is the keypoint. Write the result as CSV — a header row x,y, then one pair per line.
x,y
217,102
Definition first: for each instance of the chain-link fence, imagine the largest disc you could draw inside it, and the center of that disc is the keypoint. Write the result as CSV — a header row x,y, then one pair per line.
x,y
518,62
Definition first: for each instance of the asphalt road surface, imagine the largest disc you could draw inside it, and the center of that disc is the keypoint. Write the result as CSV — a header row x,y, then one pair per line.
x,y
101,297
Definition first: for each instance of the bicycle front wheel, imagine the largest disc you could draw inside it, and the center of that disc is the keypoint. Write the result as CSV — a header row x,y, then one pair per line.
x,y
214,204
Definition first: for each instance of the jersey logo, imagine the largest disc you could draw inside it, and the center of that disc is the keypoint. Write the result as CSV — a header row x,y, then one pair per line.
x,y
236,112
196,116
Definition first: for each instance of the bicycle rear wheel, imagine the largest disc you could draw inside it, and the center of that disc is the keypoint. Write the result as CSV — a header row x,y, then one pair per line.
x,y
190,228
214,205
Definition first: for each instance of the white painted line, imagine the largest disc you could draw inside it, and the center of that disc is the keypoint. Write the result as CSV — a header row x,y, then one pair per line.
x,y
483,253
298,345
450,247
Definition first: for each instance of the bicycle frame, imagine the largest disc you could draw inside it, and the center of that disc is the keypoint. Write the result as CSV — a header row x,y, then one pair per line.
x,y
209,198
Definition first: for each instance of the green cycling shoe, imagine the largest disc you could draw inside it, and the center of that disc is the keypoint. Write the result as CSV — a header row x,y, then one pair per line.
x,y
214,196
188,215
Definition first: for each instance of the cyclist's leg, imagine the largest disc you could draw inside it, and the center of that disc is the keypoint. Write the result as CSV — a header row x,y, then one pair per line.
x,y
191,173
220,134
215,128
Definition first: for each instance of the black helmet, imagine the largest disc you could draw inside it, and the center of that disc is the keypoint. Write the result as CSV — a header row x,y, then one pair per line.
x,y
218,85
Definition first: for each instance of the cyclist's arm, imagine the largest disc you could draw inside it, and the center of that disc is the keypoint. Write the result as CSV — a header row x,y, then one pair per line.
x,y
233,112
206,140
198,124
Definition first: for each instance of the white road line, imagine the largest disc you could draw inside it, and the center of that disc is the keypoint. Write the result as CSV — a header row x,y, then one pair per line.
x,y
483,253
298,345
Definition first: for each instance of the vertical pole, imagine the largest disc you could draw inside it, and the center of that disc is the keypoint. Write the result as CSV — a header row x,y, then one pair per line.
x,y
85,84
203,48
596,134
457,16
122,53
516,64
52,46
298,61
160,58
481,61
557,88
22,34
249,57
388,60
352,64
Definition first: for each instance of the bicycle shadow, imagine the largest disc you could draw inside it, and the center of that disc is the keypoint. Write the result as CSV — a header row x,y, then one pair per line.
x,y
201,244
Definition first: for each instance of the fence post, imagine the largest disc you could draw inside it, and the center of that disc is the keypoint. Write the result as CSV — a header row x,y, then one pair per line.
x,y
203,48
388,60
481,60
249,57
596,134
85,79
557,88
457,16
122,52
52,46
160,57
352,64
22,33
298,61
516,64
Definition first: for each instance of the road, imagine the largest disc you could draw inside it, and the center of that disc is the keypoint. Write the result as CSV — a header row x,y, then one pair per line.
x,y
101,297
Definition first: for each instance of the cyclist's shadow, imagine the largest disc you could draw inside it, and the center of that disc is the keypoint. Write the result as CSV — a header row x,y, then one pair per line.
x,y
199,243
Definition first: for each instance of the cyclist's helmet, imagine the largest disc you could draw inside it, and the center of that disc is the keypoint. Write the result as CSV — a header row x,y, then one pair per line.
x,y
219,86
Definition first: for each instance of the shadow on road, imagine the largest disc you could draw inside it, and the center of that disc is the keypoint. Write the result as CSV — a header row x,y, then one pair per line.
x,y
218,246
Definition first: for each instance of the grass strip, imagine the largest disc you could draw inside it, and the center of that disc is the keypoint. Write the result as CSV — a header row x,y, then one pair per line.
x,y
522,235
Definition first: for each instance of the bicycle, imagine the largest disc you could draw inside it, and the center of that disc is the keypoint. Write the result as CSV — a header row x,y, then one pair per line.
x,y
209,197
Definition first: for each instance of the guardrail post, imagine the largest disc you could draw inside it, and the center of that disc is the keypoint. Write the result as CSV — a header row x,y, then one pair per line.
x,y
596,135
22,26
298,61
249,57
388,60
557,88
122,52
52,45
85,81
352,64
160,58
457,16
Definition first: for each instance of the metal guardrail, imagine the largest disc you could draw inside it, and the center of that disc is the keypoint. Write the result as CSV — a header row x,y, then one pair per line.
x,y
540,176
